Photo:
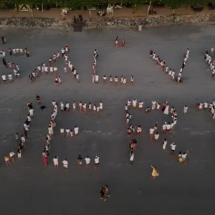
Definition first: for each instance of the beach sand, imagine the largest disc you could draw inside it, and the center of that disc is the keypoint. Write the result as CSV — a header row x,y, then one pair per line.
x,y
28,187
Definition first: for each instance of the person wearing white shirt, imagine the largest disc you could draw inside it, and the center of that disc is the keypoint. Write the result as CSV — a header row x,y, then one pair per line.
x,y
134,103
50,131
124,80
205,105
168,128
55,162
54,102
10,77
188,52
173,75
54,114
76,130
62,132
185,109
65,164
173,147
153,105
4,78
96,79
55,70
62,106
164,143
73,106
77,77
31,112
87,160
151,132
158,106
184,156
96,161
23,140
156,136
67,107
12,156
140,105
101,106
84,107
28,118
131,157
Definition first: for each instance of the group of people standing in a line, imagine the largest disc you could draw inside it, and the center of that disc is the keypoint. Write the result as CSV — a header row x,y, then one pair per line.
x,y
208,58
52,68
116,81
169,71
21,140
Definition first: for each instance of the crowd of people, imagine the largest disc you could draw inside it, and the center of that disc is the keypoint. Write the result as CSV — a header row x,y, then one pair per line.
x,y
209,61
8,78
166,69
52,68
210,106
19,52
64,133
154,134
21,139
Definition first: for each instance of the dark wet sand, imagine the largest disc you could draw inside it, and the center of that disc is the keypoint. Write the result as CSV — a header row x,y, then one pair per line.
x,y
27,187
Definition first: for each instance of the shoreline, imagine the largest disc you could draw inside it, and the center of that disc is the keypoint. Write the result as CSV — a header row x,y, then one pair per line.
x,y
106,23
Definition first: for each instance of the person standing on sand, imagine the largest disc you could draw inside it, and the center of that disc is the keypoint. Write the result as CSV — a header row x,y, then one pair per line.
x,y
45,160
212,51
123,42
111,79
38,99
65,164
12,156
73,106
185,109
184,156
62,132
164,143
131,80
173,147
102,194
56,81
3,40
116,42
131,157
87,160
106,190
7,160
55,162
27,52
19,152
10,52
79,160
17,137
154,172
180,157
4,62
97,162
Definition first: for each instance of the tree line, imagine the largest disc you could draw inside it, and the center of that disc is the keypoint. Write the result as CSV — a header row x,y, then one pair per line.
x,y
80,4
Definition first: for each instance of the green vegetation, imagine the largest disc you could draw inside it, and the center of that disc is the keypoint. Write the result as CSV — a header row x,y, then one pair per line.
x,y
80,4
